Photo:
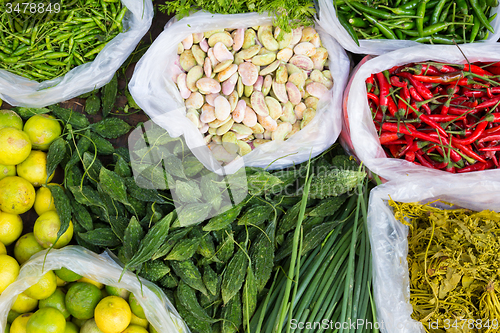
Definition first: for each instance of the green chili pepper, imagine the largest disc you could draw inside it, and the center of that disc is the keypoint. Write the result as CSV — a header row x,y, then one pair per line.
x,y
95,50
421,13
462,6
357,22
399,34
387,32
348,27
437,12
480,15
371,11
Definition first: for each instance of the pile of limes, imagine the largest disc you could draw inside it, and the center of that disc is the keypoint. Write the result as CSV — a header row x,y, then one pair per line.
x,y
23,161
65,302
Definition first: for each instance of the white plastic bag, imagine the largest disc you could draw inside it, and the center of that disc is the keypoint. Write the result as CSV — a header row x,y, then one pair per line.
x,y
389,239
20,91
156,93
160,313
331,24
362,132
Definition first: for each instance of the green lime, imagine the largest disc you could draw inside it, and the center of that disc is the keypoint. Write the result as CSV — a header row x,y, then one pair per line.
x,y
152,329
7,328
26,246
81,300
78,322
46,320
56,300
9,118
90,327
120,292
7,171
67,275
139,321
71,328
136,307
12,315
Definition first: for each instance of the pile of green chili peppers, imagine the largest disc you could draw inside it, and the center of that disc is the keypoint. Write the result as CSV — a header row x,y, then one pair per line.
x,y
44,39
425,21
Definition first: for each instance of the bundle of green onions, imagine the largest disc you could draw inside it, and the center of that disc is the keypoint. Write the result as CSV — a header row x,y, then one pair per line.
x,y
328,289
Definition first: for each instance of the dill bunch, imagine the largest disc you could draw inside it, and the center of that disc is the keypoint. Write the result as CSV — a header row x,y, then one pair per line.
x,y
289,14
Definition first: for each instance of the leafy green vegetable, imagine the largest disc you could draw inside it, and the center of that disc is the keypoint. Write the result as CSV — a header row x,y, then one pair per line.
x,y
288,14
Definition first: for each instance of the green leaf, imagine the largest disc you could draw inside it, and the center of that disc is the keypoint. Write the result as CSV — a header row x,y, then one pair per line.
x,y
113,185
103,237
111,128
55,155
133,235
63,208
152,241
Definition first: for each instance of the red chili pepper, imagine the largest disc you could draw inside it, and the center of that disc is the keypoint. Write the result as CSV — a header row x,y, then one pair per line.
x,y
424,161
394,69
454,156
395,142
473,93
468,151
495,90
489,93
459,111
414,94
433,124
384,92
427,70
493,148
478,166
369,83
489,103
444,117
422,90
474,136
450,169
393,127
476,70
443,78
373,97
445,68
386,137
394,149
396,82
494,70
492,130
410,156
490,138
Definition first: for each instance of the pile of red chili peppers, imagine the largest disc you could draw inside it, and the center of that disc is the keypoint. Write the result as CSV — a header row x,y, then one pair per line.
x,y
442,116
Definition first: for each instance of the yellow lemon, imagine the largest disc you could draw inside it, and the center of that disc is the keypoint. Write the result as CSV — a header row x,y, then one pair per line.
x,y
19,324
11,227
60,282
46,228
135,329
25,247
112,314
24,303
152,329
7,170
15,146
17,195
9,270
34,168
3,250
42,130
46,320
44,201
44,287
95,283
9,118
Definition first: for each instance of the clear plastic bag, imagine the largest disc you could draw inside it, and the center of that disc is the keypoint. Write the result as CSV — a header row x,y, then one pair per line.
x,y
159,311
156,93
363,140
20,91
330,22
389,239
